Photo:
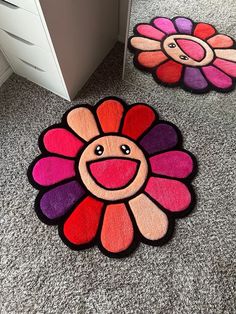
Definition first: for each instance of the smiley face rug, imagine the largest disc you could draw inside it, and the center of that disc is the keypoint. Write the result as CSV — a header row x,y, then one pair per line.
x,y
112,175
180,52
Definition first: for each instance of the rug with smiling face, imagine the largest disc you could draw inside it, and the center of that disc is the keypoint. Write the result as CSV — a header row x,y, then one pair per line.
x,y
112,175
180,52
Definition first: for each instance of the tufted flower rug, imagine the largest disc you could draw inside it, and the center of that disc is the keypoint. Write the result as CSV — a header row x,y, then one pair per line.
x,y
180,52
112,175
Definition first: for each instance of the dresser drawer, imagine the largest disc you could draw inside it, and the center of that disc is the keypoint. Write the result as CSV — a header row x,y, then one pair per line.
x,y
23,24
24,50
49,79
28,5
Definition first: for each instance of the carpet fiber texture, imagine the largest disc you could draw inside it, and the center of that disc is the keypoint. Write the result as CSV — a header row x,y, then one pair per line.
x,y
193,273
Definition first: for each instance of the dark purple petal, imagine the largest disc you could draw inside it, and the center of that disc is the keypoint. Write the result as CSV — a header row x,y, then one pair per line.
x,y
184,25
161,137
193,78
57,201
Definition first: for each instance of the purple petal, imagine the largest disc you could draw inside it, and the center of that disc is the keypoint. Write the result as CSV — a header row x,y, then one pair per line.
x,y
56,202
184,25
194,79
161,137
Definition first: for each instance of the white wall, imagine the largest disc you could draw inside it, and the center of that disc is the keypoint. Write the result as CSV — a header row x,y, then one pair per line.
x,y
5,70
124,4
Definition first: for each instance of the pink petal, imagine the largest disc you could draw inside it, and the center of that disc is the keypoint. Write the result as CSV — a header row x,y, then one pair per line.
x,y
62,142
176,164
165,25
150,31
192,49
50,170
227,66
217,77
171,194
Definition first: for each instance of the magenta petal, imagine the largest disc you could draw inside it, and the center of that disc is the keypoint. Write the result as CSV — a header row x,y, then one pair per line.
x,y
226,66
217,77
150,31
171,194
165,25
50,170
175,164
62,142
56,202
161,137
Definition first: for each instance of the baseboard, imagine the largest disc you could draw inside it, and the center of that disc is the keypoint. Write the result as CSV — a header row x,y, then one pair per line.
x,y
5,75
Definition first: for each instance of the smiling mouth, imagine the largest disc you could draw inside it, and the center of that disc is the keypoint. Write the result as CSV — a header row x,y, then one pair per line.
x,y
113,173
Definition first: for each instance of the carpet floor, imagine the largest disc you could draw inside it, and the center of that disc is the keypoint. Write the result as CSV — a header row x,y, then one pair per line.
x,y
193,273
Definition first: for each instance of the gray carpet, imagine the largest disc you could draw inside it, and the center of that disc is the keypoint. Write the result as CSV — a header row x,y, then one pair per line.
x,y
193,273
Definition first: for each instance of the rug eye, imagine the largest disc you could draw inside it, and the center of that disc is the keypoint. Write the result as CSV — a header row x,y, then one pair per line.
x,y
183,57
172,45
125,149
99,150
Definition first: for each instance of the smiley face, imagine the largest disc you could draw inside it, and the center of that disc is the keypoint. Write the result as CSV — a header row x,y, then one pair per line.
x,y
188,50
113,167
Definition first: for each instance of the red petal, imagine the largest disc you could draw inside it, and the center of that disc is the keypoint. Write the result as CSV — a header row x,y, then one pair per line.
x,y
169,72
81,226
137,120
203,30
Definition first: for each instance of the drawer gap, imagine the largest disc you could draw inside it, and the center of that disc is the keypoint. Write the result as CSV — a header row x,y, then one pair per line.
x,y
31,65
8,4
18,38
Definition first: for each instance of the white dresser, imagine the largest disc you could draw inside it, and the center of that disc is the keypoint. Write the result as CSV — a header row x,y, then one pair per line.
x,y
57,43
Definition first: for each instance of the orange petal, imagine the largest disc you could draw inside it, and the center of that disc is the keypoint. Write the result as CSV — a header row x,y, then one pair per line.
x,y
145,43
151,59
109,115
220,41
83,123
117,230
137,120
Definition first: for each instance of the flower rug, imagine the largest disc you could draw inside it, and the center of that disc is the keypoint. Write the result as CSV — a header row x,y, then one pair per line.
x,y
180,52
112,175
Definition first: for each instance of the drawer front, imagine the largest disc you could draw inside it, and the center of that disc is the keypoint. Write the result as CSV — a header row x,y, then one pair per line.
x,y
24,50
49,79
28,5
23,24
